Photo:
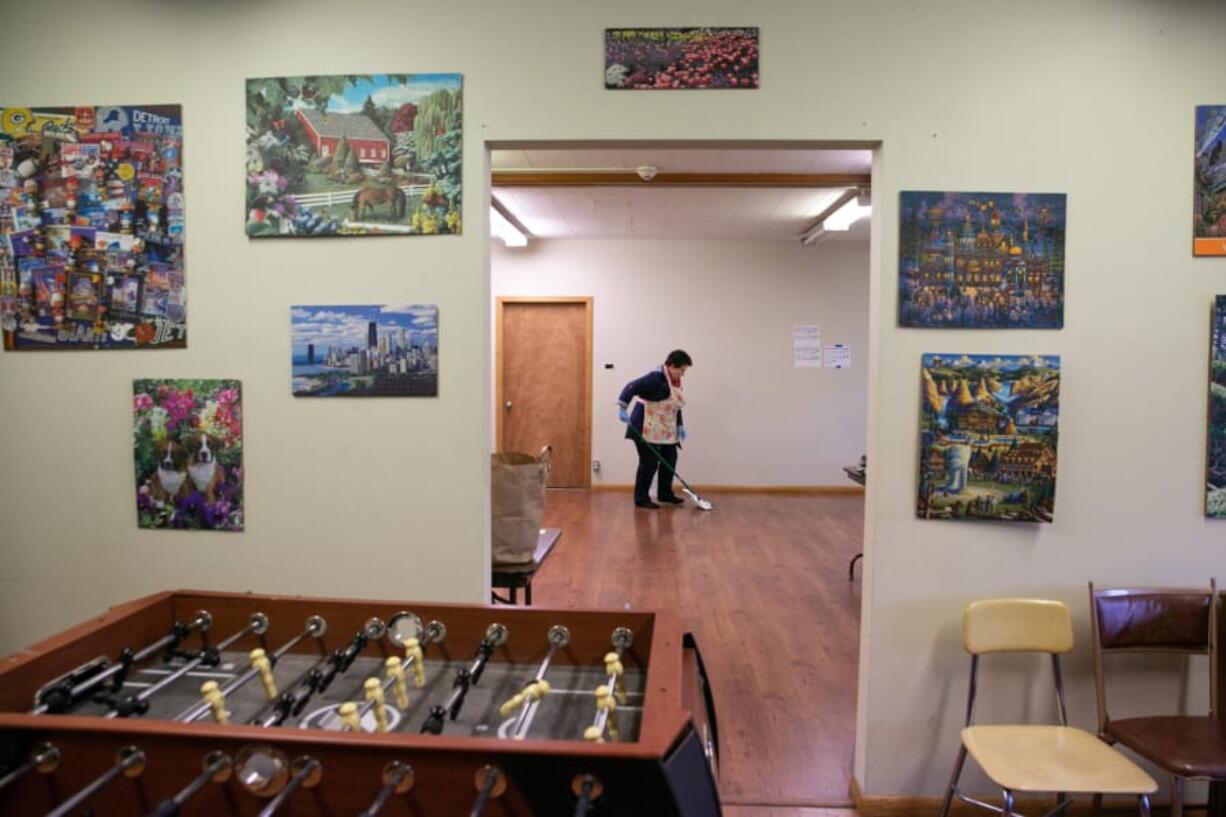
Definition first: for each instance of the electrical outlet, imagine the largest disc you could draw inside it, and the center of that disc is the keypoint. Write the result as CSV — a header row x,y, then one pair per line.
x,y
595,466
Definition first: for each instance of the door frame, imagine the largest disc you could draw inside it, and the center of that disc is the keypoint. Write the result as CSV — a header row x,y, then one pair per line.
x,y
499,397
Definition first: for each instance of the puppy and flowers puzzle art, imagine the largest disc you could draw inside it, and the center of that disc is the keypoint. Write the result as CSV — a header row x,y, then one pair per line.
x,y
92,228
187,436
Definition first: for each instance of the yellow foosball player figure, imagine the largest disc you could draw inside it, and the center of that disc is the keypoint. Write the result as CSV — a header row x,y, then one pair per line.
x,y
396,670
374,692
217,702
348,712
263,666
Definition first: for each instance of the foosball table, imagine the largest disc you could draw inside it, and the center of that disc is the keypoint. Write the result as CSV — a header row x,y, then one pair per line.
x,y
201,703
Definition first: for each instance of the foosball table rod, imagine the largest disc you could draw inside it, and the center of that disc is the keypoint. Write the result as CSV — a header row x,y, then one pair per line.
x,y
318,677
257,624
217,769
613,691
307,773
397,779
315,627
587,789
535,690
130,762
58,699
44,757
466,677
491,783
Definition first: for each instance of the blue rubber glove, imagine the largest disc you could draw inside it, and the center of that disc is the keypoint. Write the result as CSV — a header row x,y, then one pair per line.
x,y
681,433
623,415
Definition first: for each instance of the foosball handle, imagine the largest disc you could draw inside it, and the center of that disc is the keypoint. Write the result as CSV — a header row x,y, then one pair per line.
x,y
166,808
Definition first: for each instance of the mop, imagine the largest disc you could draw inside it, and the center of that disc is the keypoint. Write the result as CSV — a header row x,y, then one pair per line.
x,y
703,505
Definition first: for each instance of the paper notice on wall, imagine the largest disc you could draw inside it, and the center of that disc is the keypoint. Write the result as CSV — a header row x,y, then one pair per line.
x,y
838,356
807,347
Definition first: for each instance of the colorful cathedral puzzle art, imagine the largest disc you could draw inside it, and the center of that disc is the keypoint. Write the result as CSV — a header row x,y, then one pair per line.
x,y
368,154
981,260
187,438
91,228
988,433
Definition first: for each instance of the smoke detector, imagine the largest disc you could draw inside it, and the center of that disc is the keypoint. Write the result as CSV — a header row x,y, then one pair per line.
x,y
647,172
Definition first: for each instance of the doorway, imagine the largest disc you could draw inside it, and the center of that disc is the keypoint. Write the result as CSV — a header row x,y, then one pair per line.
x,y
544,382
714,248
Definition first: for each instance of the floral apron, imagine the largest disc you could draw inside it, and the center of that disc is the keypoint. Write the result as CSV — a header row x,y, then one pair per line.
x,y
660,417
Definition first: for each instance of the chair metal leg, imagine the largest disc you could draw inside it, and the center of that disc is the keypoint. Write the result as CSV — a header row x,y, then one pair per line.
x,y
1096,807
1006,804
1176,796
1142,804
953,780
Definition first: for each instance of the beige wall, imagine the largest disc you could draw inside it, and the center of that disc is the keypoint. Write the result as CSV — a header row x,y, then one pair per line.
x,y
753,419
388,497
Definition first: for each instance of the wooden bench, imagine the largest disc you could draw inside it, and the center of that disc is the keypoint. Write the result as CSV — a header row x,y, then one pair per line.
x,y
511,577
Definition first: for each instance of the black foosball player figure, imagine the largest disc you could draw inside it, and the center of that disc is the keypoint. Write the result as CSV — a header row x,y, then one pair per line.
x,y
466,677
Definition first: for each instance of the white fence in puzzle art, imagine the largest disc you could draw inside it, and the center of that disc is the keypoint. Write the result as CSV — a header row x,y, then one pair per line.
x,y
332,198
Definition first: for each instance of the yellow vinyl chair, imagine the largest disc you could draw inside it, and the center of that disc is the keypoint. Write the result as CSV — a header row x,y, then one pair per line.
x,y
1032,758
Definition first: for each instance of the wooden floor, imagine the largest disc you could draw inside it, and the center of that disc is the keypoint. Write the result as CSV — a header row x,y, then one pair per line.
x,y
762,583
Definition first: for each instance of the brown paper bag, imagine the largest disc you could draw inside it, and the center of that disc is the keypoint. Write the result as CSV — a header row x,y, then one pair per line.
x,y
517,501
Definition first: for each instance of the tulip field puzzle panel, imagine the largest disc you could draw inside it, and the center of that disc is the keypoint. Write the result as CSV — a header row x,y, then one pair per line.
x,y
661,59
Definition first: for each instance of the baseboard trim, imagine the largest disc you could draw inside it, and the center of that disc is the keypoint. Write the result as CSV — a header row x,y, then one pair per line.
x,y
800,490
896,806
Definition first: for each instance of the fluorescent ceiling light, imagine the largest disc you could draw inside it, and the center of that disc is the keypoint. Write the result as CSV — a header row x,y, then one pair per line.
x,y
853,210
505,230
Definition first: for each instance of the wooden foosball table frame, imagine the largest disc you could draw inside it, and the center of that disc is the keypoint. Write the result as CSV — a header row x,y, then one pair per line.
x,y
668,769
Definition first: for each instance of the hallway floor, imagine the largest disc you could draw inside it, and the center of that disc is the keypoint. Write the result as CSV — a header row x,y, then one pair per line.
x,y
762,583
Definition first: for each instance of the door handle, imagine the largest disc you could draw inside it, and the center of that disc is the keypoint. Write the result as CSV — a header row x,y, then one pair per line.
x,y
507,405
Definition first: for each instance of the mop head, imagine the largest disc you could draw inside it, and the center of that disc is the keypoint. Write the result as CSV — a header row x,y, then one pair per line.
x,y
703,505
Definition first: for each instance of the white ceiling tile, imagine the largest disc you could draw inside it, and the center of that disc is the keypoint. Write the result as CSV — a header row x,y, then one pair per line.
x,y
678,212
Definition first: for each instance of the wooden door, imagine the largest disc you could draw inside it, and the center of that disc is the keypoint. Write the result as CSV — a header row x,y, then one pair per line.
x,y
544,382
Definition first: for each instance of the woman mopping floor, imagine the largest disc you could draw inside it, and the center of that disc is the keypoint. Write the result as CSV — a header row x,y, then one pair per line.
x,y
650,406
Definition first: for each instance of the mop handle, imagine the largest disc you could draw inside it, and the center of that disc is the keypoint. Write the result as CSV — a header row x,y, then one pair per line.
x,y
660,457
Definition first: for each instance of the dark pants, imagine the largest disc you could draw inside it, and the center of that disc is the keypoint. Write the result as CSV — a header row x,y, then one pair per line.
x,y
649,463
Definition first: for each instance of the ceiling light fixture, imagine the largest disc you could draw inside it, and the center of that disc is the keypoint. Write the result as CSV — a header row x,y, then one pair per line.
x,y
814,236
844,211
504,228
848,213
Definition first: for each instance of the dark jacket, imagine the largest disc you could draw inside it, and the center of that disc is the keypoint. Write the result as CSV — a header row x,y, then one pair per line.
x,y
652,387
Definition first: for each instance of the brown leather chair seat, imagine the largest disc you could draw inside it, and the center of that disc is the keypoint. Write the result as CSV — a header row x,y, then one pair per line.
x,y
1188,746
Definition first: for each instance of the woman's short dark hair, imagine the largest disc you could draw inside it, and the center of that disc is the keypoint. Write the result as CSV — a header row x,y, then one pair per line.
x,y
678,357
